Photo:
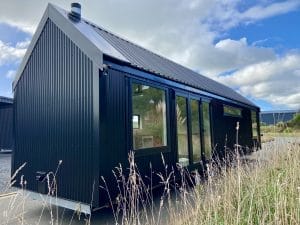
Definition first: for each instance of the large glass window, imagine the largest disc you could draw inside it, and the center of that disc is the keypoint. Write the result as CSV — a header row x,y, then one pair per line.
x,y
194,104
148,116
182,133
206,130
254,123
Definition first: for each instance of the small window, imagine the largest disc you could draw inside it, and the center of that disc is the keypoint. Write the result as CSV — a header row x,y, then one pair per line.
x,y
254,124
232,111
148,117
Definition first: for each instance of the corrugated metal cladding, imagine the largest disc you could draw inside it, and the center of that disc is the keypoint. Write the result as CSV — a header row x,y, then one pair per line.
x,y
53,115
142,58
115,134
224,129
6,126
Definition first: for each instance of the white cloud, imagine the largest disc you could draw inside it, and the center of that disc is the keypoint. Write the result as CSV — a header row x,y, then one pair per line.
x,y
227,14
276,81
185,31
262,12
11,54
10,74
227,55
23,44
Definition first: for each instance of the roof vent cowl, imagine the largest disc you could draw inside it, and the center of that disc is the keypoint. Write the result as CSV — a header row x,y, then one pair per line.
x,y
75,14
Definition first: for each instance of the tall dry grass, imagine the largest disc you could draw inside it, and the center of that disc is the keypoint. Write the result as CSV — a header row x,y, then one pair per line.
x,y
262,188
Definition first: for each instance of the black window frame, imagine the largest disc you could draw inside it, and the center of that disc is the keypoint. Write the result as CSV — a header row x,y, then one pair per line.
x,y
152,150
256,121
186,96
200,99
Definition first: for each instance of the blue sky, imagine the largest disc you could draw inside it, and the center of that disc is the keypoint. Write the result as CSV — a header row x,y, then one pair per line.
x,y
251,46
279,32
11,37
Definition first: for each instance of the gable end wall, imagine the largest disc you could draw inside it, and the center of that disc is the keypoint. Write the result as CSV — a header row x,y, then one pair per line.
x,y
53,115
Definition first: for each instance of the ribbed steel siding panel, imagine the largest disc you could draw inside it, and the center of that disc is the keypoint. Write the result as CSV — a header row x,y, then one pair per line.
x,y
224,129
113,119
112,128
115,133
53,118
6,127
147,60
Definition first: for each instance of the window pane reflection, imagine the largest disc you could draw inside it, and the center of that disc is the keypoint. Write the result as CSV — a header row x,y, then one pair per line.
x,y
182,134
195,131
206,129
149,117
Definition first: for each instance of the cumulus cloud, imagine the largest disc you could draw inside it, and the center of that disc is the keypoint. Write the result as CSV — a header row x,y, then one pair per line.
x,y
227,55
276,81
227,14
185,32
262,12
12,54
10,74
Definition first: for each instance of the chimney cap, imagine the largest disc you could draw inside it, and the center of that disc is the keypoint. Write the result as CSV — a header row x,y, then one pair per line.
x,y
75,14
76,4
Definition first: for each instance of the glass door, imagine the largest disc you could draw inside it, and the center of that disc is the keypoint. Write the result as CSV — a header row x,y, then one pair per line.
x,y
195,130
188,130
182,131
206,130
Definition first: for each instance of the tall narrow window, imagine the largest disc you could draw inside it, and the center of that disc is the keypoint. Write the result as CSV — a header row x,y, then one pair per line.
x,y
194,104
206,130
254,124
182,133
148,117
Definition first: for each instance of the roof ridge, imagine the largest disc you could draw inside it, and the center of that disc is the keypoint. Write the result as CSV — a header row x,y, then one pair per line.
x,y
99,41
137,45
210,82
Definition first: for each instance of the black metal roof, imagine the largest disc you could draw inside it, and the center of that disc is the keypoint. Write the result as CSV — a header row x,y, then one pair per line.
x,y
96,40
147,60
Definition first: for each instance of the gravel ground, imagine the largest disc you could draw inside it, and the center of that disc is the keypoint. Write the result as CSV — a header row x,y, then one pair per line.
x,y
5,160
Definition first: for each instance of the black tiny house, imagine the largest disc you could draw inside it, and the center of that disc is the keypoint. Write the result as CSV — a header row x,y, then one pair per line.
x,y
6,124
88,97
